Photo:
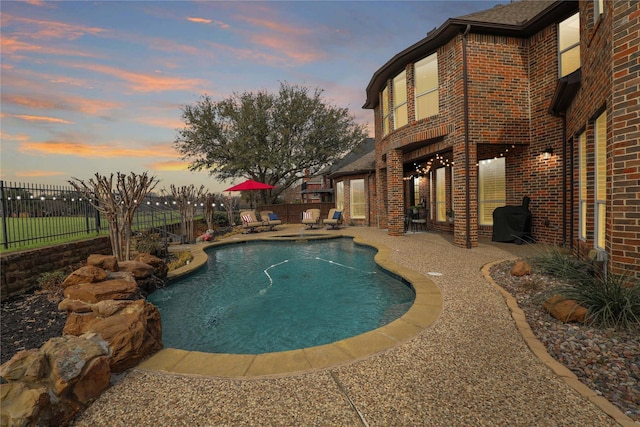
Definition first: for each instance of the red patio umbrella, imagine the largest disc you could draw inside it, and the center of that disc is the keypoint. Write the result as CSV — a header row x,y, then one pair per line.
x,y
249,185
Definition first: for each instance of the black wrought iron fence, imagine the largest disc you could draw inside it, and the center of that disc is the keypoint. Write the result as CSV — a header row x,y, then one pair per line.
x,y
33,214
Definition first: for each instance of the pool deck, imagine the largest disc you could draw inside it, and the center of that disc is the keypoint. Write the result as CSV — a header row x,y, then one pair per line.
x,y
462,355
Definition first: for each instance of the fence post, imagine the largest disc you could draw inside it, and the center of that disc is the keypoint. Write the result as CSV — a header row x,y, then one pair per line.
x,y
5,237
86,217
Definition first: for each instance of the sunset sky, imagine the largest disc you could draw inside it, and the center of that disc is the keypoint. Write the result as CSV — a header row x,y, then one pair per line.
x,y
98,86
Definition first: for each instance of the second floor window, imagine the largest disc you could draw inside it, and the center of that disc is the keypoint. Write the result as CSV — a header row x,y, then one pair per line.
x,y
569,45
385,111
426,84
400,100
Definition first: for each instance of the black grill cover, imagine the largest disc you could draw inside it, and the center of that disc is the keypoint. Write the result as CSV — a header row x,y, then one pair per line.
x,y
512,223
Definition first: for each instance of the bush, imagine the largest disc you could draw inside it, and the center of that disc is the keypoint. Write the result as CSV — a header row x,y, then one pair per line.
x,y
149,243
612,300
182,258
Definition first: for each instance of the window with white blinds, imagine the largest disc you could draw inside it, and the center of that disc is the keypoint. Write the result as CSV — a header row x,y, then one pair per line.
x,y
416,190
441,195
340,195
491,188
385,111
601,179
426,86
357,198
400,100
582,183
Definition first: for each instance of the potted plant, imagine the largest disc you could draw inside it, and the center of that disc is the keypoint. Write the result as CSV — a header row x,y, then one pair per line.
x,y
450,215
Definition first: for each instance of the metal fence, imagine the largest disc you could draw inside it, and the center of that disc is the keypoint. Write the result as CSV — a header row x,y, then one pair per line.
x,y
33,214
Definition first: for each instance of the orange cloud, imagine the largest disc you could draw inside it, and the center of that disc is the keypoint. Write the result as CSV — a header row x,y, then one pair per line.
x,y
69,103
274,26
144,82
170,166
249,54
39,173
47,30
101,151
41,119
290,47
161,122
10,137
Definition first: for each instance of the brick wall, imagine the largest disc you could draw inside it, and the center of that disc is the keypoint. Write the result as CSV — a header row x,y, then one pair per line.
x,y
20,270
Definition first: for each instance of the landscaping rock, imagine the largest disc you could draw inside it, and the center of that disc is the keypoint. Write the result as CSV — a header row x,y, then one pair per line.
x,y
107,262
111,289
86,274
48,386
131,328
160,268
520,268
139,270
565,310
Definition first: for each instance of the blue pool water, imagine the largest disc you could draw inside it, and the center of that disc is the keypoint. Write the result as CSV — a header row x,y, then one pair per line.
x,y
262,297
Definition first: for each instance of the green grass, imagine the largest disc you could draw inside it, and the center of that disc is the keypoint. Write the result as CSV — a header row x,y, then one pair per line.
x,y
56,230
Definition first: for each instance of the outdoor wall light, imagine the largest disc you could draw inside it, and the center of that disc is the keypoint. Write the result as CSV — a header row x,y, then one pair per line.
x,y
547,153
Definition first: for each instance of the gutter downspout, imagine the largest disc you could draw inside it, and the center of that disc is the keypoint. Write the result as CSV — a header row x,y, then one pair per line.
x,y
466,135
564,181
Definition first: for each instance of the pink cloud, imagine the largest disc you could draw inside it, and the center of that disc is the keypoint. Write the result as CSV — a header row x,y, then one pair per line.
x,y
68,103
170,166
140,82
47,30
41,119
38,173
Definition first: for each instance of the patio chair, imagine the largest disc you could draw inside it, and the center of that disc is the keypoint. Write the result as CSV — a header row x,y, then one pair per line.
x,y
270,219
334,219
311,217
249,221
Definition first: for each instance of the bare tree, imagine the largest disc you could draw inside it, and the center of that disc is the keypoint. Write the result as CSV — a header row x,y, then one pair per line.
x,y
186,198
118,204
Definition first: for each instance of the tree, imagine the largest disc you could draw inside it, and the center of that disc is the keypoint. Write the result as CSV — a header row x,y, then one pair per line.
x,y
186,197
118,204
271,138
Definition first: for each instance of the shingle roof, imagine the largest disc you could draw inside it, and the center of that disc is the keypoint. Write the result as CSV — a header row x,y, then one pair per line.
x,y
516,13
360,159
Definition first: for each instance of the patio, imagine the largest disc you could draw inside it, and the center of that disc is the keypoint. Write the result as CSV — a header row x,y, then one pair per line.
x,y
475,365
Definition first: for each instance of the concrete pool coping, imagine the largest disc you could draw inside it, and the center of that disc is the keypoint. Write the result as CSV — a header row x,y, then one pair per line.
x,y
422,314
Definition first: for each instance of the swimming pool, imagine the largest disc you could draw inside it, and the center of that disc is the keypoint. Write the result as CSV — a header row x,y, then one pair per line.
x,y
261,297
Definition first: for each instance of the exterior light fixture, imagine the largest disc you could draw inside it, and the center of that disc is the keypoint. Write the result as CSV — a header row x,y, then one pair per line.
x,y
547,153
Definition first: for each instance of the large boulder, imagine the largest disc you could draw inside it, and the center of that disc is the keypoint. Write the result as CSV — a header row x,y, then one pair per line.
x,y
111,289
160,268
50,385
132,329
138,269
106,262
86,274
565,310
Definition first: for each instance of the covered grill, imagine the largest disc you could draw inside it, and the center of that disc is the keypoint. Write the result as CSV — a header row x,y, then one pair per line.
x,y
513,223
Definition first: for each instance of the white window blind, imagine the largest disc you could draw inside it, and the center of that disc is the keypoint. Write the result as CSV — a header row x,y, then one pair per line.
x,y
491,187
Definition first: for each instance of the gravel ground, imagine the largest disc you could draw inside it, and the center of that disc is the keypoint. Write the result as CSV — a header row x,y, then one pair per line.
x,y
606,361
470,368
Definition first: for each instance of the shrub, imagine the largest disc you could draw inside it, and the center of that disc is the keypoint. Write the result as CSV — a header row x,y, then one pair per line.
x,y
612,300
150,243
182,258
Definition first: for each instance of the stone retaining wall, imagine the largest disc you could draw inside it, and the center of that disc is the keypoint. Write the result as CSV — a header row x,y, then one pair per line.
x,y
20,270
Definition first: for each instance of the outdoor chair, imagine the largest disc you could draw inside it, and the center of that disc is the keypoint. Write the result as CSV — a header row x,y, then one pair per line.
x,y
270,219
249,221
311,217
334,219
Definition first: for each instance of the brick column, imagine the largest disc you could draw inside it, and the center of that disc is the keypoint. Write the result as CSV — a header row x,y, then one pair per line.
x,y
459,196
395,193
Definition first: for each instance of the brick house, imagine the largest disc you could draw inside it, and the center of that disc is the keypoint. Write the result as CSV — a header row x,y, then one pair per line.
x,y
532,98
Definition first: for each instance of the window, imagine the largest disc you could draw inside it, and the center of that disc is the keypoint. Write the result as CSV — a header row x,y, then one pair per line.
x,y
357,198
491,187
416,190
601,179
340,195
569,45
385,111
441,195
598,9
426,84
431,195
400,100
582,183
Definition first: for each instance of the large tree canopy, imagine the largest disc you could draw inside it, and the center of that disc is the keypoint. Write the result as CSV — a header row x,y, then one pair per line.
x,y
271,138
